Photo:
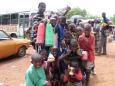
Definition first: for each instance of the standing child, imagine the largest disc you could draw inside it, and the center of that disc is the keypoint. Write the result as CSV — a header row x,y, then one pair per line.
x,y
87,43
35,75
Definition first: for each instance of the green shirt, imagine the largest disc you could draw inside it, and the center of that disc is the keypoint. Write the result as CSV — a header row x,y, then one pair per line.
x,y
35,76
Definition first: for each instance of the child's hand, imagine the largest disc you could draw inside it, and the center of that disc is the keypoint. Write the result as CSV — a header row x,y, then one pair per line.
x,y
68,51
47,83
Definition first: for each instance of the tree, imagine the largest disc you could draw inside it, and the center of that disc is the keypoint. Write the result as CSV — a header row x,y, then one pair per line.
x,y
76,11
113,19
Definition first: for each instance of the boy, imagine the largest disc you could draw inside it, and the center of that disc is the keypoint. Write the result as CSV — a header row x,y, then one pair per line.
x,y
87,43
35,75
72,56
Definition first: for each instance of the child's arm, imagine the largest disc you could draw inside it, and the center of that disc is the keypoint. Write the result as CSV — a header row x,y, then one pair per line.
x,y
63,56
28,80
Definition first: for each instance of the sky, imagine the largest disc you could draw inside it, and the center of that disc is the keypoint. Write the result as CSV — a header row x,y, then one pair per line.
x,y
94,7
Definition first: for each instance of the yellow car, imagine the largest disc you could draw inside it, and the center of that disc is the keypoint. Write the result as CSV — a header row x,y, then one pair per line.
x,y
12,46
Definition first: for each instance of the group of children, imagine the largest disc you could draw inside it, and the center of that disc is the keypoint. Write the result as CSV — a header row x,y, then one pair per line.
x,y
67,64
69,61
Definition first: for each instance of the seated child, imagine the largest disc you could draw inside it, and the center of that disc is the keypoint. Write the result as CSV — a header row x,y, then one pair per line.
x,y
35,75
73,75
53,67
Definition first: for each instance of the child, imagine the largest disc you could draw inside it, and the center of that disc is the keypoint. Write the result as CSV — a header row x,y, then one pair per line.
x,y
72,56
87,43
72,28
35,75
73,76
53,67
63,50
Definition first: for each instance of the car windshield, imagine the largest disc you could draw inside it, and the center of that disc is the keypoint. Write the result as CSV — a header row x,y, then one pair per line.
x,y
3,35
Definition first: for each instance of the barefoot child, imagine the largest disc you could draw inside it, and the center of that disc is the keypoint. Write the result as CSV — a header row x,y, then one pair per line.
x,y
35,75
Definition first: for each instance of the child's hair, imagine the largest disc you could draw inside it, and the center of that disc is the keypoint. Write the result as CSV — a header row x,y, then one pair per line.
x,y
79,28
87,26
72,27
42,50
36,57
68,34
41,4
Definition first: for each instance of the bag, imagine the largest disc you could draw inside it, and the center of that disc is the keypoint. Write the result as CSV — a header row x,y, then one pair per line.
x,y
40,33
49,35
55,40
85,55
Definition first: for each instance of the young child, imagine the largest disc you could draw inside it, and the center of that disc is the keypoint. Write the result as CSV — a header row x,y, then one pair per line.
x,y
72,56
73,76
72,28
35,75
87,43
63,50
53,67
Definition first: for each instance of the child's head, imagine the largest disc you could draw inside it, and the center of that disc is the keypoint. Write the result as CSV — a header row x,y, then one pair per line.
x,y
62,20
73,45
72,27
75,65
79,31
63,45
54,51
87,29
36,60
67,37
41,7
44,54
53,21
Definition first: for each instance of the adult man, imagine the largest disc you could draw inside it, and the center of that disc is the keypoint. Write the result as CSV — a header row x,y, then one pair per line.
x,y
104,34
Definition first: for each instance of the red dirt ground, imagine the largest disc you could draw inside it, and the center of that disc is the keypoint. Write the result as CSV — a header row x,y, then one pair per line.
x,y
12,71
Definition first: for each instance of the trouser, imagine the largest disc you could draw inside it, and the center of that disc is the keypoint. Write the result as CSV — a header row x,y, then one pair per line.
x,y
33,44
103,45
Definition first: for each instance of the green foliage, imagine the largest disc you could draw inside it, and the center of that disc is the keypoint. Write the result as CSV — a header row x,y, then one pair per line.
x,y
113,19
76,11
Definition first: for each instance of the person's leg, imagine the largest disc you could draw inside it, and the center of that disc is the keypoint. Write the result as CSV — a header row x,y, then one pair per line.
x,y
93,71
105,46
100,44
33,44
88,72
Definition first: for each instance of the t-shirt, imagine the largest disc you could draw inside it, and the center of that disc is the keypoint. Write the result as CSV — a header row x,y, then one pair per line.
x,y
35,76
91,43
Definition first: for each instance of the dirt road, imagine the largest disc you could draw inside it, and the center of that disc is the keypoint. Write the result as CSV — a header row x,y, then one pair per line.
x,y
12,71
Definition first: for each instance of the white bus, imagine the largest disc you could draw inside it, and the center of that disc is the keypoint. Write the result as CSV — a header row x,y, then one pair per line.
x,y
17,22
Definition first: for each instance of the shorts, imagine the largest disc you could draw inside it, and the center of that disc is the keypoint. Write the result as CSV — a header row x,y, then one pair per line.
x,y
89,65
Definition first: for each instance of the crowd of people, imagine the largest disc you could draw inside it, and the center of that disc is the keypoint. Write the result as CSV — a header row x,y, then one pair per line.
x,y
65,51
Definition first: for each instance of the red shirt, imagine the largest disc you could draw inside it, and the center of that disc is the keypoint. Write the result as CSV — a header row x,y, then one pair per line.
x,y
90,43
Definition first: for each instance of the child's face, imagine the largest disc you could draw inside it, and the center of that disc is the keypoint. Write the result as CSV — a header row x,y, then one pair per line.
x,y
67,39
54,52
63,44
37,64
87,32
80,32
42,8
74,47
44,55
53,22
